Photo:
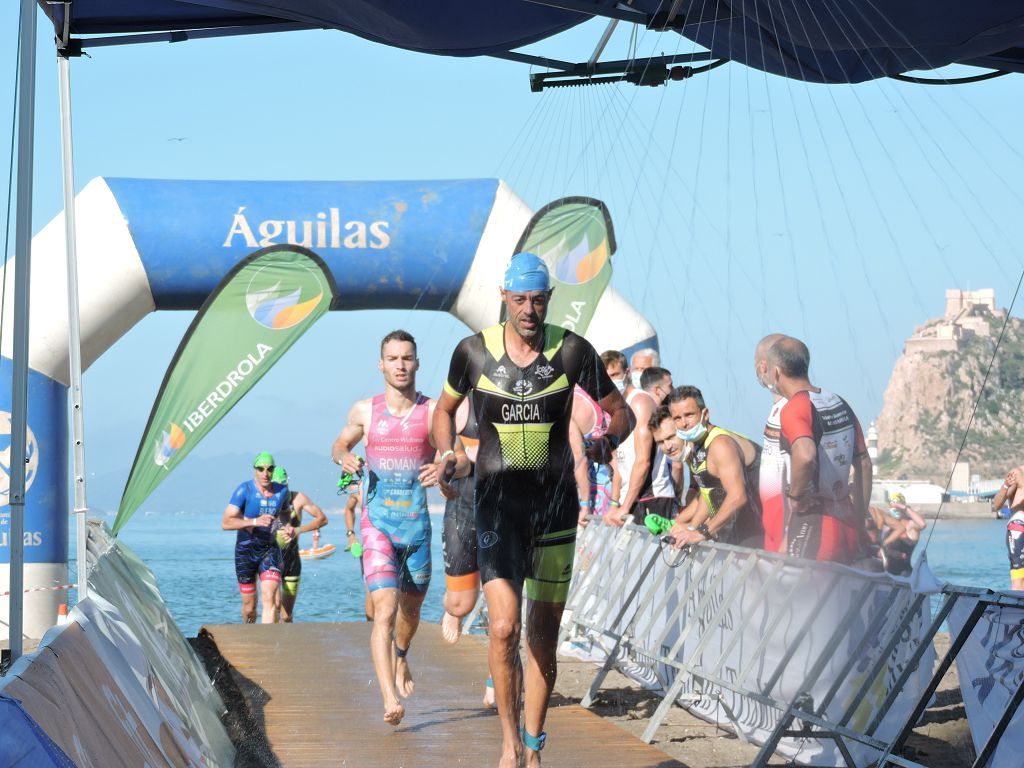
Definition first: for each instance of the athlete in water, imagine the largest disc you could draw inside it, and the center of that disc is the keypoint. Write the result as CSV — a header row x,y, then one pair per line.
x,y
723,472
351,504
291,564
1012,493
253,511
521,374
823,445
395,524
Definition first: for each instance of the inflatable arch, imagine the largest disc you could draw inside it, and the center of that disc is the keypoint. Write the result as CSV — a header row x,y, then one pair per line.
x,y
146,245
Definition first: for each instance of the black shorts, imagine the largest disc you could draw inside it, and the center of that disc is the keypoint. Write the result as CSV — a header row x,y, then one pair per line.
x,y
257,557
665,506
526,533
291,563
458,540
1015,544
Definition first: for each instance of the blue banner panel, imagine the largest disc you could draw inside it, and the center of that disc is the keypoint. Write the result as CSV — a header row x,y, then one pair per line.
x,y
46,502
389,244
24,743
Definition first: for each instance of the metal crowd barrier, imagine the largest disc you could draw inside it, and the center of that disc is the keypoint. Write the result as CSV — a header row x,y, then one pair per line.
x,y
817,661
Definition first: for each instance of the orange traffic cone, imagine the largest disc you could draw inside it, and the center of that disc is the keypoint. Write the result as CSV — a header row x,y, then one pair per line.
x,y
62,614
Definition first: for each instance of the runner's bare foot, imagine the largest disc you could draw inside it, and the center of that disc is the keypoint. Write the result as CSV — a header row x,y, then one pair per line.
x,y
531,758
403,679
451,627
488,694
393,713
510,758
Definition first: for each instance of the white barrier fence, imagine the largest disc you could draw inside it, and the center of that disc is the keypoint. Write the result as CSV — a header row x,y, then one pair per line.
x,y
118,684
824,664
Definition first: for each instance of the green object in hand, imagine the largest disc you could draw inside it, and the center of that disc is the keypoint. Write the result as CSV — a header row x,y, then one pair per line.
x,y
657,524
347,478
356,549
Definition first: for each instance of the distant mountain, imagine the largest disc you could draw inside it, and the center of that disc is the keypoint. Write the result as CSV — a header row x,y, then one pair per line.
x,y
934,386
205,483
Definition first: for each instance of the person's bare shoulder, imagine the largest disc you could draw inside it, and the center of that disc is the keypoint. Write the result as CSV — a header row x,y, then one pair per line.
x,y
359,414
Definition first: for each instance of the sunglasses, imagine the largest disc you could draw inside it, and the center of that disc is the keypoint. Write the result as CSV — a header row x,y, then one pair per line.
x,y
271,468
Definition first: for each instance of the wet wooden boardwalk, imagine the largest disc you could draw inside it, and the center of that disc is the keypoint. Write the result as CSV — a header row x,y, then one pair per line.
x,y
312,687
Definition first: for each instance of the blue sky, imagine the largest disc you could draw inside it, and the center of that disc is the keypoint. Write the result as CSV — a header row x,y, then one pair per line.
x,y
743,203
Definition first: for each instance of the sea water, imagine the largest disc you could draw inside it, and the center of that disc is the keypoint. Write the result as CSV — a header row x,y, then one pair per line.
x,y
193,561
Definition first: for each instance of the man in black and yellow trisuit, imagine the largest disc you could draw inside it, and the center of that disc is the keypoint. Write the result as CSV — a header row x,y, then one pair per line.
x,y
522,373
723,504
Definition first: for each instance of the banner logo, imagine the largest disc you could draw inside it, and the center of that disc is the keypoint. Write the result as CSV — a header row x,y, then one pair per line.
x,y
31,453
168,444
582,263
280,301
223,354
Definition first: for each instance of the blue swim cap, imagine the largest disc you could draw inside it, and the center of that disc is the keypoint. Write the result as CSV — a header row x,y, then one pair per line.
x,y
527,272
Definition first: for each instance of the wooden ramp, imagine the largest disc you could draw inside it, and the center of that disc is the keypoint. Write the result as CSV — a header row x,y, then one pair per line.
x,y
311,686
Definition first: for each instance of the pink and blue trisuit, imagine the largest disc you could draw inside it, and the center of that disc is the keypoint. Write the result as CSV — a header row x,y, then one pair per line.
x,y
395,523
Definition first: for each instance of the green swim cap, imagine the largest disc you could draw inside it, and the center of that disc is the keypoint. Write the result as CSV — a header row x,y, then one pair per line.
x,y
263,460
280,476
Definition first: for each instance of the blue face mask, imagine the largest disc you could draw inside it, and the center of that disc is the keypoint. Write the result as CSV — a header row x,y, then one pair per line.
x,y
620,384
694,433
634,378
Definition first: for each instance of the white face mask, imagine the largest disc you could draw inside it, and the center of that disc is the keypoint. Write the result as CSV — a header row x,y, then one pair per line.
x,y
693,434
620,384
634,378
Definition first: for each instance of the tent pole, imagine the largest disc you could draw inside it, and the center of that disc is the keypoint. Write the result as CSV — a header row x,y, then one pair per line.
x,y
74,322
19,355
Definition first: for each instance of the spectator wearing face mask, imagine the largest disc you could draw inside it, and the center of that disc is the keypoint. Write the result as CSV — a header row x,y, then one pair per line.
x,y
634,455
724,468
640,362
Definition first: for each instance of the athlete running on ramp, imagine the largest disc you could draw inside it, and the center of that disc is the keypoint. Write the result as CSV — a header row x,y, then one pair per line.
x,y
522,373
252,511
395,523
291,563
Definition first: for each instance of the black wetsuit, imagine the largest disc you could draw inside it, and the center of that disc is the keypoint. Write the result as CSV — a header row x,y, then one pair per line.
x,y
458,540
291,563
526,500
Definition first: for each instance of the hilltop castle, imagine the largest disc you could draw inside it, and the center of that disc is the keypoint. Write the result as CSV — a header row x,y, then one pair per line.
x,y
968,313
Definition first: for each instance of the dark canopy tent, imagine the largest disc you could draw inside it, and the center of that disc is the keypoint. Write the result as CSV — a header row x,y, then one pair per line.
x,y
829,41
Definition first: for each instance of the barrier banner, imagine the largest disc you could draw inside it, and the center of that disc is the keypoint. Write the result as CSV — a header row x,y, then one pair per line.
x,y
23,742
250,320
93,692
122,579
755,624
574,236
991,668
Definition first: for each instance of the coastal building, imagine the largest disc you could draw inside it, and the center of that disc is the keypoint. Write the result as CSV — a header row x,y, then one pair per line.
x,y
968,313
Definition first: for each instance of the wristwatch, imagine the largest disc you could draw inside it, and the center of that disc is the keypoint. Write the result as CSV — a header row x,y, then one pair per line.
x,y
704,531
350,532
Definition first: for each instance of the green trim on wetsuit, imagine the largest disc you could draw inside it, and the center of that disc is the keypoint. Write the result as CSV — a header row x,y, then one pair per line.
x,y
526,502
551,569
291,561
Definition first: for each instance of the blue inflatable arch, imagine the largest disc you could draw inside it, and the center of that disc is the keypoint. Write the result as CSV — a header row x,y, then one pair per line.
x,y
147,245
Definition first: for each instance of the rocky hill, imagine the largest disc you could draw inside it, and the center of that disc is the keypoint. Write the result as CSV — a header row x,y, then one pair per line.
x,y
933,389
